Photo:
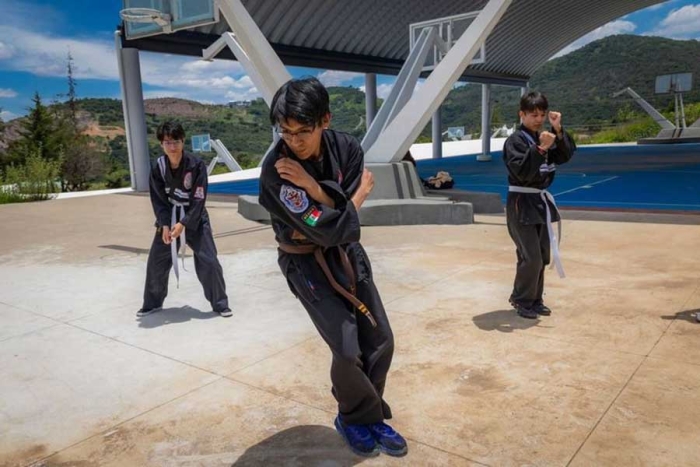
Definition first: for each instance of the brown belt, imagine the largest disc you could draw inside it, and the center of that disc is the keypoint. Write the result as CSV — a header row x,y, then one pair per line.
x,y
317,251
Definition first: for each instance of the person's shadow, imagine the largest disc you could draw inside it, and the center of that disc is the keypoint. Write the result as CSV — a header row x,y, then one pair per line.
x,y
687,315
307,445
173,316
503,321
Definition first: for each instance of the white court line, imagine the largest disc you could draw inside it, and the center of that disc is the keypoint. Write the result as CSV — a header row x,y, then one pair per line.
x,y
631,204
587,185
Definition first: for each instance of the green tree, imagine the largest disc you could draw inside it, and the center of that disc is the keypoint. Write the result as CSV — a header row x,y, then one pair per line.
x,y
37,135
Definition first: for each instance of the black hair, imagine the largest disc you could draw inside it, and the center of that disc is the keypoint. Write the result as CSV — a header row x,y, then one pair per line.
x,y
533,101
304,100
172,129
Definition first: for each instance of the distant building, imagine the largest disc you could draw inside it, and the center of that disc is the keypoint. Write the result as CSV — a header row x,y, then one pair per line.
x,y
239,104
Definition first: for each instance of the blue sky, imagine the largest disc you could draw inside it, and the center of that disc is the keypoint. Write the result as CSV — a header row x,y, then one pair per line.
x,y
36,36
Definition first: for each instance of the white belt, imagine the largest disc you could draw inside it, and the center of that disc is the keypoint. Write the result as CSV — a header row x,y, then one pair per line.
x,y
183,242
553,239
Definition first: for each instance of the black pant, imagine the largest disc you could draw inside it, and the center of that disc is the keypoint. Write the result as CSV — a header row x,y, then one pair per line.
x,y
532,250
207,266
361,354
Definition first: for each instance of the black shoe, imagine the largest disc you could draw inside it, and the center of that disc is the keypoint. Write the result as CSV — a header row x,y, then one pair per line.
x,y
147,311
542,309
226,312
528,313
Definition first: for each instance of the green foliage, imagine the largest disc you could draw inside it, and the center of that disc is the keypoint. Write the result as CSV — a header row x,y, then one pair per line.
x,y
83,163
629,132
37,135
640,126
33,181
117,178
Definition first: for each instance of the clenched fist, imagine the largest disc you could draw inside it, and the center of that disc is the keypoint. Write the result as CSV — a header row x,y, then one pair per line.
x,y
555,120
547,139
367,181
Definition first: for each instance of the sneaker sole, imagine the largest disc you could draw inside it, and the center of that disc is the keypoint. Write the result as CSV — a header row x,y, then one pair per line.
x,y
393,452
373,453
139,314
526,316
226,314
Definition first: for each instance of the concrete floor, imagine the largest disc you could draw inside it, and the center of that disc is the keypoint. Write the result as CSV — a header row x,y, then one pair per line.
x,y
612,378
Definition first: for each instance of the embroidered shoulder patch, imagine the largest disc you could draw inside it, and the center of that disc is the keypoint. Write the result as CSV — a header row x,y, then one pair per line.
x,y
311,216
199,192
188,181
294,199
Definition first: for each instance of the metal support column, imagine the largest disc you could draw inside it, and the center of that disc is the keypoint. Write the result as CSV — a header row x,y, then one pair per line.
x,y
437,134
370,98
134,117
485,123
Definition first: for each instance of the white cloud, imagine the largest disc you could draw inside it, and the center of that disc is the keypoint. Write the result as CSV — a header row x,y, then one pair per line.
x,y
45,55
610,29
5,51
383,90
682,23
658,6
29,14
8,93
6,115
243,95
337,78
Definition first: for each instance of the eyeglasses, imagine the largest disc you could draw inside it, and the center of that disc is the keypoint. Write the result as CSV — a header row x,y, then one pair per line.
x,y
172,143
302,135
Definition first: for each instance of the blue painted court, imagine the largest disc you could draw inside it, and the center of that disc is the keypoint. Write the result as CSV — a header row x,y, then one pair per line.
x,y
647,177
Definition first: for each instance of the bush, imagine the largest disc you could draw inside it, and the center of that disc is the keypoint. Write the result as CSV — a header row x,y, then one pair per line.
x,y
35,180
7,197
117,178
630,132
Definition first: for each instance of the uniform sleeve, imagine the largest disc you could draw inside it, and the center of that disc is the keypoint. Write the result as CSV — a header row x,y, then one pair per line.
x,y
343,190
159,200
564,150
198,198
522,160
356,164
321,224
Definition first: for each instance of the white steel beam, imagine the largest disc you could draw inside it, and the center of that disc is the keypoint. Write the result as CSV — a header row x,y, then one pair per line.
x,y
398,136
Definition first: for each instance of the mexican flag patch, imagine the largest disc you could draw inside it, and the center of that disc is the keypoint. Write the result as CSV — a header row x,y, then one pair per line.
x,y
311,216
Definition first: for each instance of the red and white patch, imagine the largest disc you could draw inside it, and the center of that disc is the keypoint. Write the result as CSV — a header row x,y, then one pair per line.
x,y
294,199
188,181
199,192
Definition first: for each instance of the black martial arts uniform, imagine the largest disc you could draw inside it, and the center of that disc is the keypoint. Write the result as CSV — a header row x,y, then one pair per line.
x,y
184,188
362,344
526,212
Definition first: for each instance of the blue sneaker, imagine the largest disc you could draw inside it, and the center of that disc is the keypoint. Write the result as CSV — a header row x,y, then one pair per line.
x,y
358,437
390,442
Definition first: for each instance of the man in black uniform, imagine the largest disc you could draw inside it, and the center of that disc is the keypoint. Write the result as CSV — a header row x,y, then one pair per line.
x,y
531,157
178,187
313,184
